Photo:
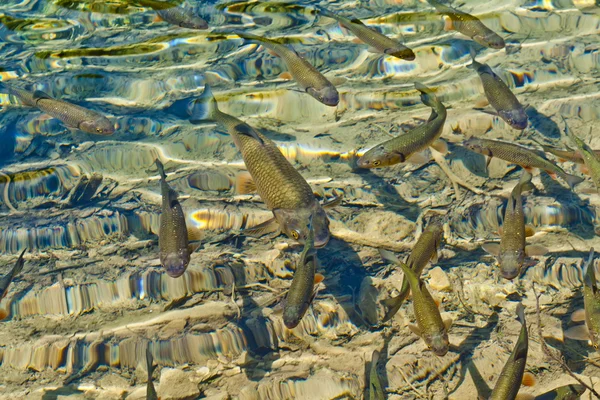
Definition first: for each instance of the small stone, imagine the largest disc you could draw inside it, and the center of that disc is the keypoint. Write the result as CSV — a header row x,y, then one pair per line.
x,y
176,385
112,382
438,279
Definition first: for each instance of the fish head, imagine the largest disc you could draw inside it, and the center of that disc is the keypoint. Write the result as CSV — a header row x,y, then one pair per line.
x,y
294,223
511,263
403,53
517,118
474,144
175,263
438,342
491,39
293,314
327,95
98,126
379,157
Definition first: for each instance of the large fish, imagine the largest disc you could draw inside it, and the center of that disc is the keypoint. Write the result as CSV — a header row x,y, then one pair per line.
x,y
71,115
184,17
425,250
150,390
591,313
307,76
590,158
519,155
512,250
375,389
279,184
8,278
378,42
402,147
567,392
470,26
173,235
431,327
500,97
510,379
301,291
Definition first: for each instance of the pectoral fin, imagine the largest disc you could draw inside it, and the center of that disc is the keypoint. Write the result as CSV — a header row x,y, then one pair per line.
x,y
529,230
440,145
245,129
244,184
389,256
333,202
269,226
579,332
535,250
418,158
528,379
193,246
435,256
578,315
491,248
448,323
415,329
38,95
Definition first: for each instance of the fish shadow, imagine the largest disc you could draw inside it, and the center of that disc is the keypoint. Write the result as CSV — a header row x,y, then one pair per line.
x,y
542,123
472,161
63,391
383,360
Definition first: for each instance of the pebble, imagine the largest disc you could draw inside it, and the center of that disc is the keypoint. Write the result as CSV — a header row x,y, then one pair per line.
x,y
438,279
176,385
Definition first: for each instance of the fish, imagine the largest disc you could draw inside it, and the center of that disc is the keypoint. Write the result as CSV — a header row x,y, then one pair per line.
x,y
470,26
285,192
567,392
8,278
378,42
301,292
173,241
402,147
375,389
590,158
519,155
424,251
500,97
73,116
512,250
183,17
306,76
430,325
510,379
566,154
150,390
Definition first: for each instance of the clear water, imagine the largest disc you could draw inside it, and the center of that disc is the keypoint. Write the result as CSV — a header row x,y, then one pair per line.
x,y
93,296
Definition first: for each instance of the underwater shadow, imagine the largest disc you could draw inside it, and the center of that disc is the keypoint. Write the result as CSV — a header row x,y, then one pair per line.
x,y
543,124
472,161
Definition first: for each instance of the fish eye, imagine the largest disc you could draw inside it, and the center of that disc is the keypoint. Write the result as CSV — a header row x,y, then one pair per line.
x,y
295,234
99,130
376,163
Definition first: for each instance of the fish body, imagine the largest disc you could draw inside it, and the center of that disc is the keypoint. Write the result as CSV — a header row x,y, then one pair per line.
x,y
400,148
175,15
150,390
278,183
424,251
173,236
375,389
431,327
301,291
509,382
567,392
374,39
73,116
470,26
519,155
591,301
8,278
500,97
565,155
590,158
307,76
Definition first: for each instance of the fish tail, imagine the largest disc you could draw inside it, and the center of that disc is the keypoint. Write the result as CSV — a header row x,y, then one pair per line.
x,y
203,107
427,96
572,180
149,361
161,169
521,313
474,64
525,181
19,265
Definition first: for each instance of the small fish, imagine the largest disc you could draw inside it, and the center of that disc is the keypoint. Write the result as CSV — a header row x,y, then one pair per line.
x,y
375,389
563,155
301,292
71,115
377,41
567,392
8,278
519,155
307,76
470,26
424,251
401,148
173,235
500,96
512,250
431,327
179,16
510,379
590,158
150,390
278,183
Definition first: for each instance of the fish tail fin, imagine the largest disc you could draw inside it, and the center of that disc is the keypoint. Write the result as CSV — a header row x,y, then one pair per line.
x,y
392,306
161,169
19,265
474,63
149,361
572,180
203,107
525,182
427,96
521,313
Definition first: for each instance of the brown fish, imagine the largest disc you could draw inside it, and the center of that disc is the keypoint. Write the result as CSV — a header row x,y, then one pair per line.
x,y
150,390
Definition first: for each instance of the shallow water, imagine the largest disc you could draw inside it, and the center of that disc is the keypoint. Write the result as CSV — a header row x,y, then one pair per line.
x,y
93,295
